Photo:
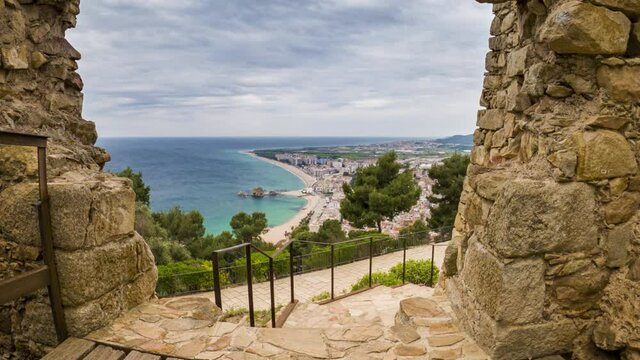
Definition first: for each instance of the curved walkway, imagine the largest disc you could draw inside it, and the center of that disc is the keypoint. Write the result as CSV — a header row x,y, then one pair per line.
x,y
311,284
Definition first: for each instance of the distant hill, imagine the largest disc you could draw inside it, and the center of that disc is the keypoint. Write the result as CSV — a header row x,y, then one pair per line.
x,y
466,140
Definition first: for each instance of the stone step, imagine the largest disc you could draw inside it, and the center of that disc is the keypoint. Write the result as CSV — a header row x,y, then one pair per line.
x,y
383,323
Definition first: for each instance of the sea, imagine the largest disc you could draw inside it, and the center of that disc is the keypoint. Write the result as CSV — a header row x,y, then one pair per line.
x,y
206,174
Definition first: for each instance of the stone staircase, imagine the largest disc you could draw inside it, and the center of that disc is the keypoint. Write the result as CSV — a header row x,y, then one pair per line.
x,y
407,322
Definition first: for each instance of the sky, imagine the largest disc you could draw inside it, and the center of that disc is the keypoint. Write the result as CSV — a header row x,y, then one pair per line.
x,y
282,67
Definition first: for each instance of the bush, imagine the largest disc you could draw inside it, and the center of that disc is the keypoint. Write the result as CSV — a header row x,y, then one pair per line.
x,y
186,276
167,251
381,278
417,272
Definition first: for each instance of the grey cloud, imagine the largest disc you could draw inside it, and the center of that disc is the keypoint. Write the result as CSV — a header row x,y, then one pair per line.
x,y
282,67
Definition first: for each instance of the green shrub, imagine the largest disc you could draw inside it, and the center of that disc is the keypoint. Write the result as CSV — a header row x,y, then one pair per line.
x,y
381,278
185,276
417,272
322,296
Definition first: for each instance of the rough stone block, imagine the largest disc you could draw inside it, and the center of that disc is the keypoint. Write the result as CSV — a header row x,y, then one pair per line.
x,y
603,154
142,288
113,212
579,84
449,265
566,161
86,275
59,46
608,121
511,293
622,83
22,226
492,119
517,61
575,27
65,102
15,58
17,162
522,225
508,342
489,185
630,7
90,316
535,340
620,324
37,324
85,211
622,208
578,291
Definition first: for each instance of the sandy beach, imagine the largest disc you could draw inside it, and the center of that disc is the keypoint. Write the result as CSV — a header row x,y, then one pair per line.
x,y
278,233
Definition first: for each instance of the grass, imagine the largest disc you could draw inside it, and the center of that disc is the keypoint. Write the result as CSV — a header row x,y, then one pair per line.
x,y
238,315
322,296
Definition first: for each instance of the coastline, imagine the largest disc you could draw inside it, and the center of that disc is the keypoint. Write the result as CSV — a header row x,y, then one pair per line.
x,y
278,233
307,179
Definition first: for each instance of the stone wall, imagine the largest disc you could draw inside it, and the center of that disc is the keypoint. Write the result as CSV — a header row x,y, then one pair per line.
x,y
105,267
545,255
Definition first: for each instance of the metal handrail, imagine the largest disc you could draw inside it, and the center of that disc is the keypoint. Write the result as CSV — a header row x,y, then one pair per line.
x,y
290,245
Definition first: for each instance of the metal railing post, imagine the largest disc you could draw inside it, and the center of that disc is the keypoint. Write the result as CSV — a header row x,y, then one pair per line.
x,y
252,320
291,271
370,260
332,250
433,249
216,279
273,299
404,259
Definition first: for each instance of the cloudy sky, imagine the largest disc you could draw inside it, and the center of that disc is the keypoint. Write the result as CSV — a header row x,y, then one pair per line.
x,y
282,67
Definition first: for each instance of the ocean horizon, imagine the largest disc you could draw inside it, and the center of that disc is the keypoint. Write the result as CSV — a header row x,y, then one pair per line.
x,y
206,173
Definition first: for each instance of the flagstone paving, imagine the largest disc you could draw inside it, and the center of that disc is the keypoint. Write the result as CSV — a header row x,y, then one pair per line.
x,y
311,284
422,328
376,306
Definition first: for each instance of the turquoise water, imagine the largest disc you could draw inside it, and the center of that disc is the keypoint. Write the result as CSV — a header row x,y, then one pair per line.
x,y
207,173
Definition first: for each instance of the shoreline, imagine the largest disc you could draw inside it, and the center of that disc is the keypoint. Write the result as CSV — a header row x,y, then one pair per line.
x,y
307,179
278,233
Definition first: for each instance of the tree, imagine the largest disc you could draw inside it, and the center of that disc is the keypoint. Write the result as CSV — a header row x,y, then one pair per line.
x,y
448,179
166,251
379,192
415,232
181,226
247,227
331,231
143,192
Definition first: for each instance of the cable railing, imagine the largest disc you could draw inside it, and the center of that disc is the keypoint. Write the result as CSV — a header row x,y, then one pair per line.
x,y
356,250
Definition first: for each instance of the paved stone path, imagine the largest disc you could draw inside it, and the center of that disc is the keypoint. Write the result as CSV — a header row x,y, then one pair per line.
x,y
377,306
189,327
311,284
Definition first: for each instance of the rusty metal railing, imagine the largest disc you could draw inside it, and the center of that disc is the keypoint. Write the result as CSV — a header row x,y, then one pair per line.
x,y
47,275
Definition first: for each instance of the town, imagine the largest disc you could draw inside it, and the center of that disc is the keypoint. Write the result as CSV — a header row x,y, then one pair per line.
x,y
332,167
